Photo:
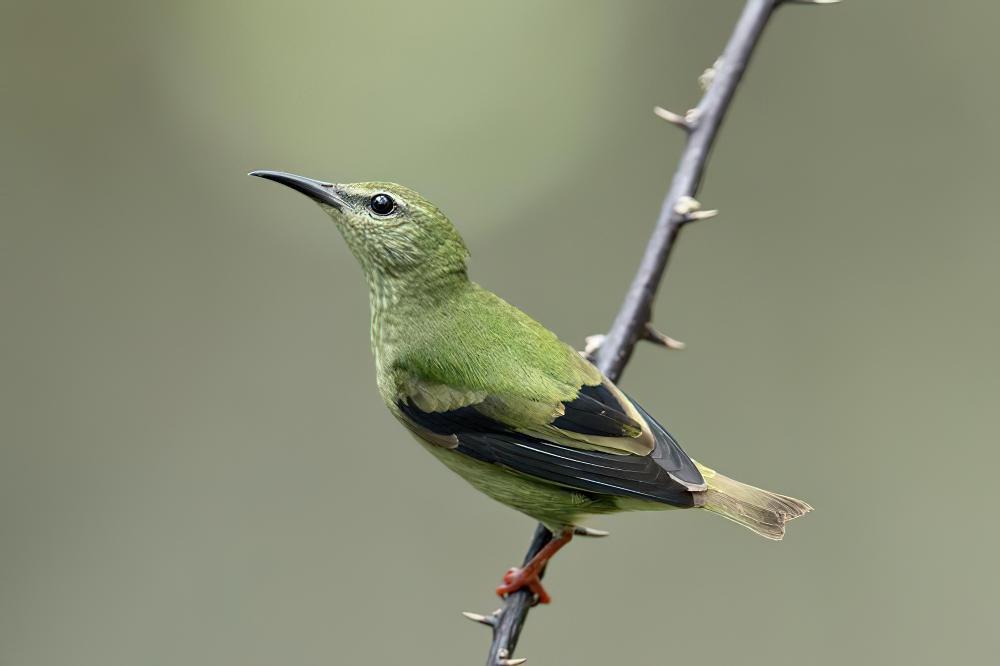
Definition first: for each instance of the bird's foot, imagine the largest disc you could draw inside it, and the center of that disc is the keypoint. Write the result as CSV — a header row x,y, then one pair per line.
x,y
530,575
518,578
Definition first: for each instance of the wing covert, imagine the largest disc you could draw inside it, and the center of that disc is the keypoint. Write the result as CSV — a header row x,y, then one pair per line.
x,y
486,439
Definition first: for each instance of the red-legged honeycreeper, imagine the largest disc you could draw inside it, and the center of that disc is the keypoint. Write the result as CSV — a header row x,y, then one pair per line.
x,y
499,399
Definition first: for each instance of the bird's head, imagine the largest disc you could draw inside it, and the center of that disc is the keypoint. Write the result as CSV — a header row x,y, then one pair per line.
x,y
396,234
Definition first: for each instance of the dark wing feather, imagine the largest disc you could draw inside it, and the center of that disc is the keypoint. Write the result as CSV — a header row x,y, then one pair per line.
x,y
669,455
488,440
597,411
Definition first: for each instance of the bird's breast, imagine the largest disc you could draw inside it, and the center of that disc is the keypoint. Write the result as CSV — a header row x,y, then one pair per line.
x,y
388,331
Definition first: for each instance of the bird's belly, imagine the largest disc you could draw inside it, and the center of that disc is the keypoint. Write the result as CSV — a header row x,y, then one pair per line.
x,y
552,505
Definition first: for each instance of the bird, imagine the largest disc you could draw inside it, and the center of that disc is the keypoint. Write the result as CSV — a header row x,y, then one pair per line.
x,y
499,399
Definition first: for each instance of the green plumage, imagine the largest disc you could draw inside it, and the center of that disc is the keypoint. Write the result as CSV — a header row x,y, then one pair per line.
x,y
497,397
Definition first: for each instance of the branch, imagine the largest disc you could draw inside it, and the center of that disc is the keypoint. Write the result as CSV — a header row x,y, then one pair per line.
x,y
679,206
633,321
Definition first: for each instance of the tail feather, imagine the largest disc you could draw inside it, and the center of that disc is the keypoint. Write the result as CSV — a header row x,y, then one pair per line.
x,y
759,510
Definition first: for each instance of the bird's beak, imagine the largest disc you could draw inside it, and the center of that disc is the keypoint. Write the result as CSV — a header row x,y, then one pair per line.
x,y
316,190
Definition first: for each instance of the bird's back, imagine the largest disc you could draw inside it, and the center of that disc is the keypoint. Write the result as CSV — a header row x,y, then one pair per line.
x,y
471,338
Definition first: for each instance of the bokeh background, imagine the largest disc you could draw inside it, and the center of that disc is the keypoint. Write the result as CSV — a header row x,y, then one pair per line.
x,y
195,467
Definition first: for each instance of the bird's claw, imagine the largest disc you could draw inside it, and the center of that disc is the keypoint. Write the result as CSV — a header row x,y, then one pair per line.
x,y
517,578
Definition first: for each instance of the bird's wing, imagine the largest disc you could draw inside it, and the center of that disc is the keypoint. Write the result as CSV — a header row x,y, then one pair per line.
x,y
600,441
498,386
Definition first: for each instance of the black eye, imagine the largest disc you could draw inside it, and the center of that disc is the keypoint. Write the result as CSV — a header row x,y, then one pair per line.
x,y
382,204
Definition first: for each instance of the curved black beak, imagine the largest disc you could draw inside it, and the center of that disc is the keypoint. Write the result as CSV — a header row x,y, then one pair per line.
x,y
316,190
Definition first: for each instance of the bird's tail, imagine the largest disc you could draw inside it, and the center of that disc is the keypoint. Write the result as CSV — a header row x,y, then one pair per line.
x,y
762,511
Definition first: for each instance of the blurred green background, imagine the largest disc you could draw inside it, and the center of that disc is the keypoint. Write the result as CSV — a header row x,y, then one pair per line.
x,y
195,467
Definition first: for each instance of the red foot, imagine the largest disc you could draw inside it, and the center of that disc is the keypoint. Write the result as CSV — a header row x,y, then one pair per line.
x,y
517,578
529,575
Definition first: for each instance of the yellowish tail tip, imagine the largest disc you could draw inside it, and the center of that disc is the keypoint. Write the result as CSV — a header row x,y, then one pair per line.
x,y
756,509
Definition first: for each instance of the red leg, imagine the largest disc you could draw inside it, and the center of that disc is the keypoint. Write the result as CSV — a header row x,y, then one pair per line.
x,y
527,576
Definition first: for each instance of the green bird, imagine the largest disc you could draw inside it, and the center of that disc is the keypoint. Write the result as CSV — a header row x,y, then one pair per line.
x,y
499,399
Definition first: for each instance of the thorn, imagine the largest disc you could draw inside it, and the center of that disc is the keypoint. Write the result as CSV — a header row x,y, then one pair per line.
x,y
675,118
488,620
686,205
592,343
654,336
690,210
579,530
706,78
702,215
503,658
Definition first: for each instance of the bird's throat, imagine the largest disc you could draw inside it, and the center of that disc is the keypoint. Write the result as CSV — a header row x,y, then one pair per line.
x,y
401,308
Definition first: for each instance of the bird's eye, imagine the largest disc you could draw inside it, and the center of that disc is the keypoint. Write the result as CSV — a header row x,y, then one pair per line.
x,y
382,204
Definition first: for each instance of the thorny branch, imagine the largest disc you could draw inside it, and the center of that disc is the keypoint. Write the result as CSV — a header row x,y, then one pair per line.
x,y
634,320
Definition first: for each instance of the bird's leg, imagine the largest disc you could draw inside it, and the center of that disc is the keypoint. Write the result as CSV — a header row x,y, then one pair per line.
x,y
528,575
